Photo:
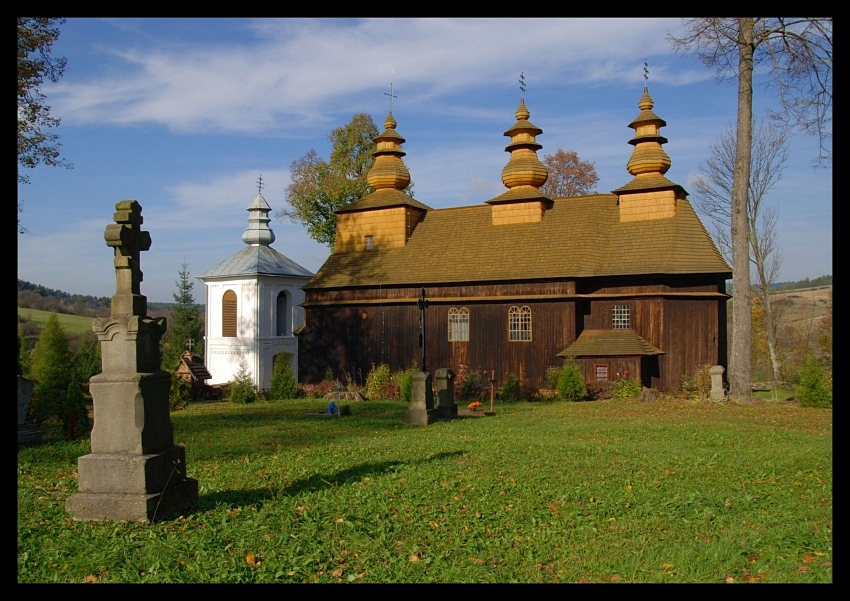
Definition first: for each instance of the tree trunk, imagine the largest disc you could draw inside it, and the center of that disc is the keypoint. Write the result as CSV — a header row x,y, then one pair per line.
x,y
740,368
770,327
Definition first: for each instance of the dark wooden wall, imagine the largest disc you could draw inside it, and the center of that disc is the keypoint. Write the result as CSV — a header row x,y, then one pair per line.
x,y
348,331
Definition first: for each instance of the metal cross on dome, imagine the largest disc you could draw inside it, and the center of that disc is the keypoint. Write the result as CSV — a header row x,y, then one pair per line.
x,y
391,92
522,85
260,184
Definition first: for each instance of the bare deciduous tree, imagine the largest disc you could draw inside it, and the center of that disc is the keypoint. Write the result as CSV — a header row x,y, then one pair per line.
x,y
568,175
796,54
713,197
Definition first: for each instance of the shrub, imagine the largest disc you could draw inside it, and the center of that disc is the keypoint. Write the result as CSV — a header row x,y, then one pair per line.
x,y
812,390
515,389
317,391
625,389
598,391
570,384
511,389
389,390
404,379
552,373
376,380
180,393
471,385
283,384
698,386
242,390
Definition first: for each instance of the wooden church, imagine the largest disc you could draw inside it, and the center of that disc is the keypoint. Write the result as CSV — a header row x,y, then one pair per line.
x,y
626,283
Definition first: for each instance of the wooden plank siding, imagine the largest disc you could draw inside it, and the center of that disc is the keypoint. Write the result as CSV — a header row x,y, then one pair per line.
x,y
347,331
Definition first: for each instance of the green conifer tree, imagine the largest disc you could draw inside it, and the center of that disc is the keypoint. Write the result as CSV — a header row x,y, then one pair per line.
x,y
284,385
59,389
186,324
243,391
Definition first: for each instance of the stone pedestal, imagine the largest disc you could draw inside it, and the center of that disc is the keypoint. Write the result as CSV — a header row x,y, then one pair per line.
x,y
446,407
134,472
421,411
717,392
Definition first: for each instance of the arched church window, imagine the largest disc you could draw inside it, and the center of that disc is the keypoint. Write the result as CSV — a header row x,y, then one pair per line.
x,y
519,324
458,324
282,315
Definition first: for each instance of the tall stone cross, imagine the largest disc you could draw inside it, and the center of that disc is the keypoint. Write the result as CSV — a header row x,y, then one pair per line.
x,y
134,472
128,240
422,304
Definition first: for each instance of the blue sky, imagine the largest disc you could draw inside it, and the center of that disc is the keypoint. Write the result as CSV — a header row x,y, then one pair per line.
x,y
184,116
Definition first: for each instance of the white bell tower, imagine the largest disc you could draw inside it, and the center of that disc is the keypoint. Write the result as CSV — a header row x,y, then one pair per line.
x,y
253,305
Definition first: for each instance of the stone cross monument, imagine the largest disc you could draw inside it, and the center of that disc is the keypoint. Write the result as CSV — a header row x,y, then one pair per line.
x,y
135,472
421,410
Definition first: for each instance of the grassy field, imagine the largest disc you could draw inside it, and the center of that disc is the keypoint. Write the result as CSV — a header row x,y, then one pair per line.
x,y
658,492
71,324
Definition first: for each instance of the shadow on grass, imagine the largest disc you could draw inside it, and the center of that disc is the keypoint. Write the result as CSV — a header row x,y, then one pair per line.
x,y
256,497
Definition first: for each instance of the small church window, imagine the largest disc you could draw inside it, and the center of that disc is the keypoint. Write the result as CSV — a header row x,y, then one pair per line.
x,y
621,318
601,372
519,324
458,324
228,314
370,242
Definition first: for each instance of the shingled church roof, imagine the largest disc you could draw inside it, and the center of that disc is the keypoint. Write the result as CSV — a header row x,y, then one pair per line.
x,y
579,237
609,343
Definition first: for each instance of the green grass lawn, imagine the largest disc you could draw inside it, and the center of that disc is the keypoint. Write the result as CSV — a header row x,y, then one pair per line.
x,y
658,492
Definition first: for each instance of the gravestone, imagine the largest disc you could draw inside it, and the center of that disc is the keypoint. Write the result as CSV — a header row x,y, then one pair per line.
x,y
421,411
27,433
717,392
446,407
135,472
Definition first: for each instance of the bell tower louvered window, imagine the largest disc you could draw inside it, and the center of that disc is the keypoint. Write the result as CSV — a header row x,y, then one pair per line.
x,y
228,314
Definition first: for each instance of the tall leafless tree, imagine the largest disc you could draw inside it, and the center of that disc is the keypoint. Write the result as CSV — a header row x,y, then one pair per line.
x,y
796,56
713,197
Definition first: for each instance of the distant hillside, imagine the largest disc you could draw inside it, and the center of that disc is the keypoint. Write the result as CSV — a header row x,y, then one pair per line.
x,y
36,296
824,280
